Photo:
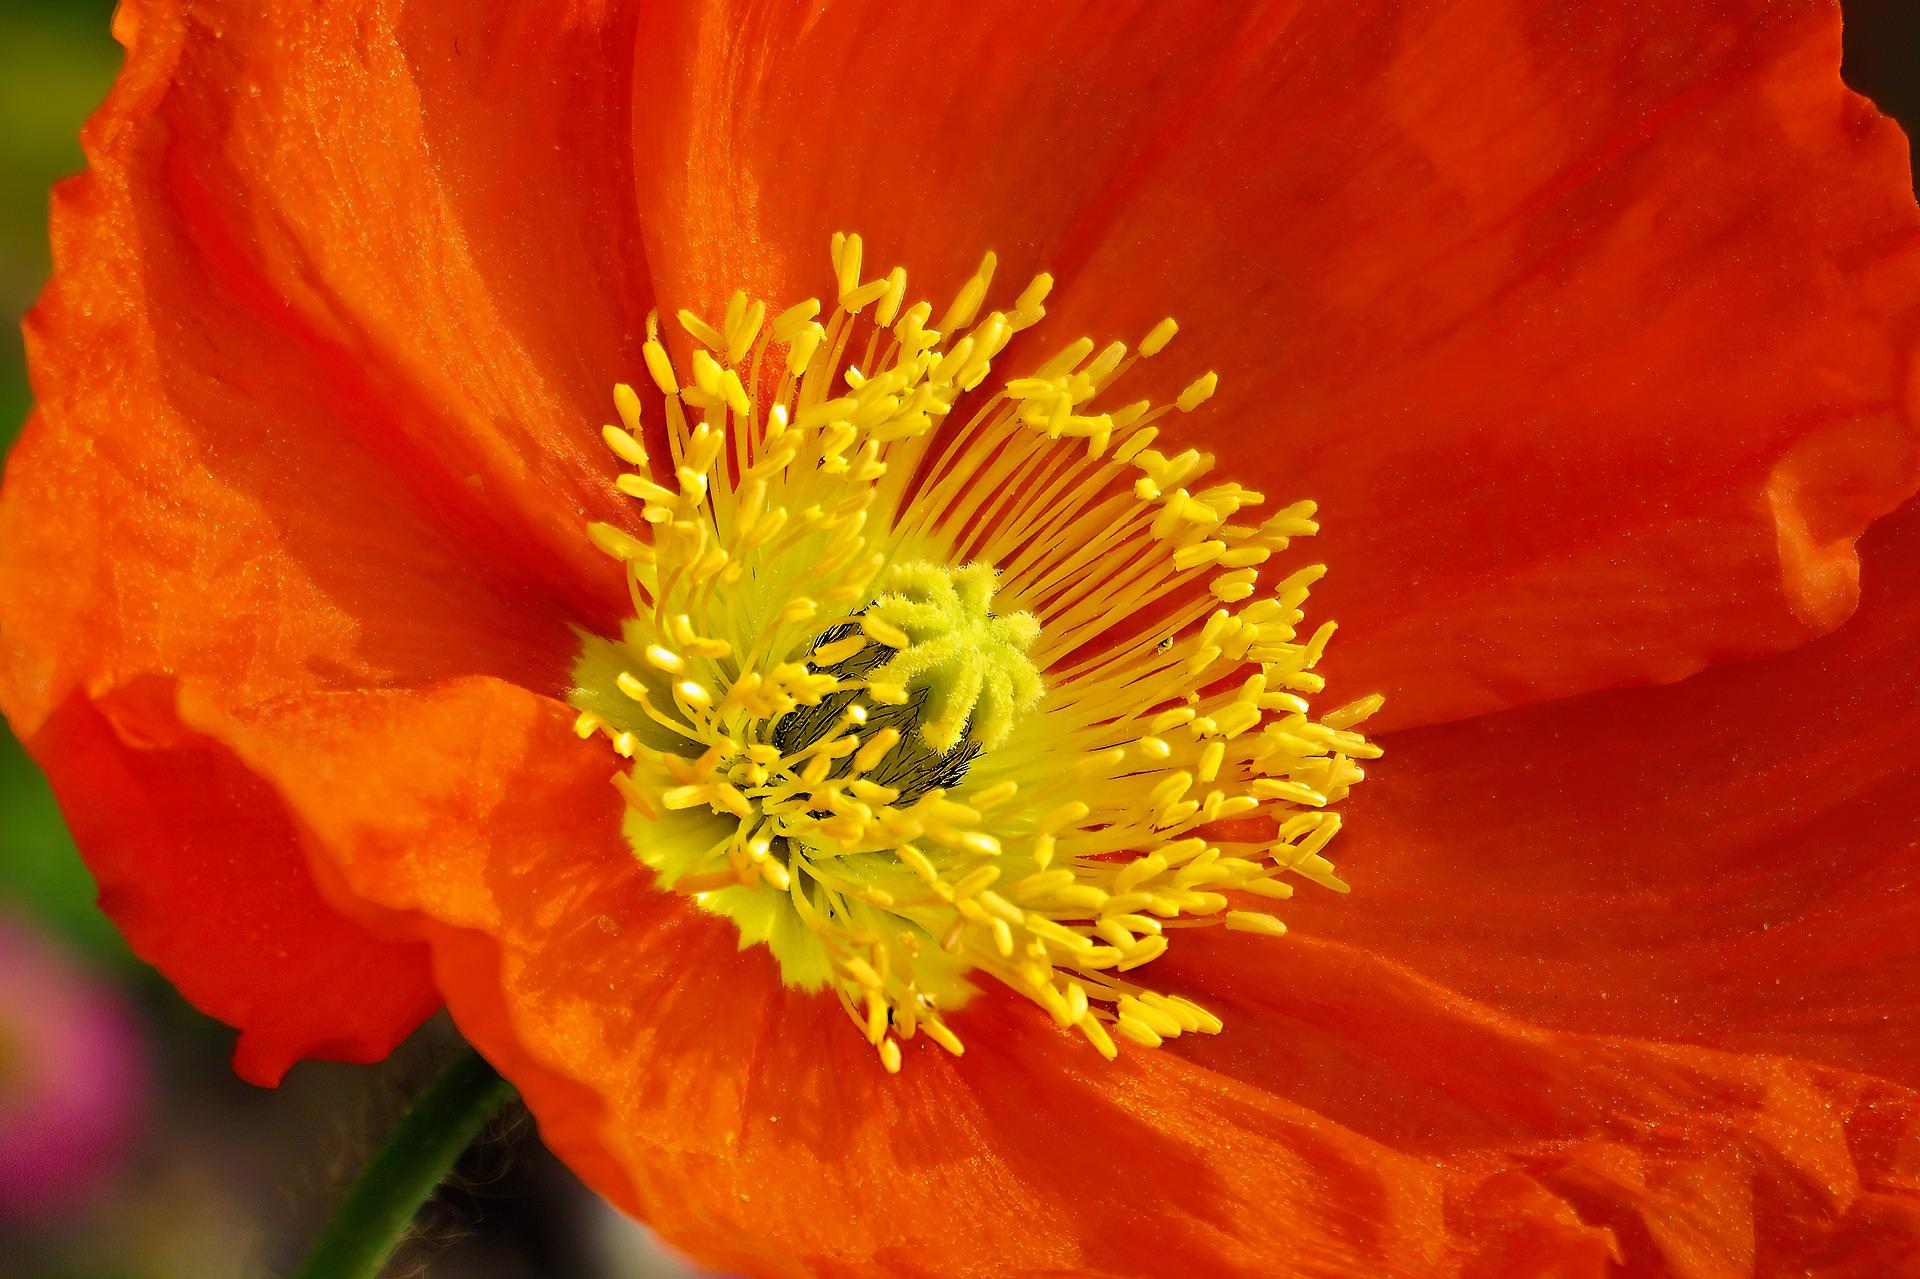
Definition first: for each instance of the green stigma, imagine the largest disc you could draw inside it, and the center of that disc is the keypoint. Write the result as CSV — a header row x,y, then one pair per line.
x,y
970,665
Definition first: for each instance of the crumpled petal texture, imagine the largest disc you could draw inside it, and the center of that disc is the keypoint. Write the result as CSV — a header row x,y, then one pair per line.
x,y
1592,327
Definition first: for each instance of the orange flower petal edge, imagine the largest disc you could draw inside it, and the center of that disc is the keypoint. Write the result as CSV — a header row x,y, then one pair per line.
x,y
201,866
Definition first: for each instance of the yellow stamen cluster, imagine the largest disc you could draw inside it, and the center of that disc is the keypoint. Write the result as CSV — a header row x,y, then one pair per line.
x,y
930,680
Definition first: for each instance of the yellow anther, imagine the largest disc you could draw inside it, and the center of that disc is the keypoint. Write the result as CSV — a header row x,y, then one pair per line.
x,y
838,651
628,405
896,293
804,344
846,263
1030,307
818,415
624,446
881,631
1353,712
859,299
875,749
790,322
661,368
967,304
618,543
1211,758
1197,393
743,323
701,331
1247,921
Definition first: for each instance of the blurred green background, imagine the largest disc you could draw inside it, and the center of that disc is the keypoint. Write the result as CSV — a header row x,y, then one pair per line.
x,y
55,64
224,1179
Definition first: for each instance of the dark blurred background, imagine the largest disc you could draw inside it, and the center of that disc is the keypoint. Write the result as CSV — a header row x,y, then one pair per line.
x,y
165,1166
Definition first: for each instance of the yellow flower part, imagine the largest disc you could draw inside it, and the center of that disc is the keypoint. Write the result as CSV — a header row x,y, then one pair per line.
x,y
933,680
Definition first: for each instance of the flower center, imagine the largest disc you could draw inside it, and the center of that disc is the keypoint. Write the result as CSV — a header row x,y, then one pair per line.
x,y
929,677
928,684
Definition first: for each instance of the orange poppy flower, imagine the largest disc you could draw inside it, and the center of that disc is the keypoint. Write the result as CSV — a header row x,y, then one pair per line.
x,y
1591,329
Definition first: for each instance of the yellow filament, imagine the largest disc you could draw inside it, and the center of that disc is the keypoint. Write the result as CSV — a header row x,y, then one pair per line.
x,y
932,681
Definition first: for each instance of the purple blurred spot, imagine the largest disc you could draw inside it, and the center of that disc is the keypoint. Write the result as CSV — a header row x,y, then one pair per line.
x,y
73,1077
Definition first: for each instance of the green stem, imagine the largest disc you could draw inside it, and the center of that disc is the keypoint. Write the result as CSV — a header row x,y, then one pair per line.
x,y
403,1174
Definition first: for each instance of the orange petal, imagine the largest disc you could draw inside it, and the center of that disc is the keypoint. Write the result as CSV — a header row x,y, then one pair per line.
x,y
1352,1116
216,529
1593,334
1728,862
747,1121
201,867
298,421
754,1129
763,128
299,367
436,198
272,561
1688,1162
452,812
